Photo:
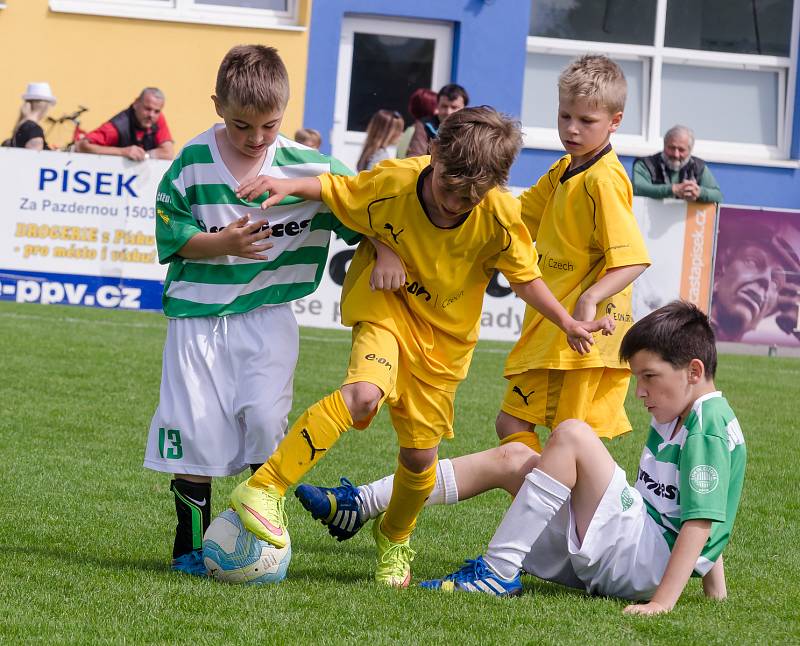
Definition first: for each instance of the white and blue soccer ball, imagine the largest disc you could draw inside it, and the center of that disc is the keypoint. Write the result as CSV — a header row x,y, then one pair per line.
x,y
234,555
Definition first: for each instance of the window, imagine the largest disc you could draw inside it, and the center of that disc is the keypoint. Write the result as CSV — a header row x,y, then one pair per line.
x,y
281,14
725,68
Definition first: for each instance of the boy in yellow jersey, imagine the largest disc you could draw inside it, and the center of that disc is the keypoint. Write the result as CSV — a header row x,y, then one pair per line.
x,y
450,224
590,251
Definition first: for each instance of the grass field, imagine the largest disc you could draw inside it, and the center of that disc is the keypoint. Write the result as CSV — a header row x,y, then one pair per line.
x,y
86,532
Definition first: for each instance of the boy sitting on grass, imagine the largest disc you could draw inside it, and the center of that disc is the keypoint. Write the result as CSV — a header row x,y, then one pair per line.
x,y
575,520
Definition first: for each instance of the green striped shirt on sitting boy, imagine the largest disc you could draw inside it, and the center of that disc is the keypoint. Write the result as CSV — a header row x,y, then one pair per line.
x,y
198,193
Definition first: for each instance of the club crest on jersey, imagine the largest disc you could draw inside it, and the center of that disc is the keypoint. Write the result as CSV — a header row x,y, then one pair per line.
x,y
703,478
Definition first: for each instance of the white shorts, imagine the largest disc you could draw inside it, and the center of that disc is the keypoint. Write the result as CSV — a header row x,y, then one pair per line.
x,y
624,553
226,392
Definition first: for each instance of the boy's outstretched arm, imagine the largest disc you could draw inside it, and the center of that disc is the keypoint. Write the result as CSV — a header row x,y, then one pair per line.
x,y
691,539
613,282
308,188
579,333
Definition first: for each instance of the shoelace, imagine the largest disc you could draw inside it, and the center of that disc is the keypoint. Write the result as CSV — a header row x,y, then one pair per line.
x,y
348,490
275,508
399,555
472,569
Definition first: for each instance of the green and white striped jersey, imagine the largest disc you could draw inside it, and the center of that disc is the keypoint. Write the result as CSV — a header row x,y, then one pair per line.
x,y
198,193
697,474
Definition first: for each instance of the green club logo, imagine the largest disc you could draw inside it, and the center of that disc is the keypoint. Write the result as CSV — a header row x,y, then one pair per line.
x,y
626,499
703,478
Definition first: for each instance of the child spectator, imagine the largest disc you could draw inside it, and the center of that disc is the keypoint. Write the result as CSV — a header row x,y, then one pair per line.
x,y
575,519
232,340
308,137
580,214
421,105
27,132
451,226
383,130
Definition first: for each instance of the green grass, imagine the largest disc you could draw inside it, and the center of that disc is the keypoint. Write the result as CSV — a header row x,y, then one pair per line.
x,y
86,532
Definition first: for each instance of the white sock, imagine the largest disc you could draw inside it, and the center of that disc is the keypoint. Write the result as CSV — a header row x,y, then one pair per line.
x,y
374,497
538,500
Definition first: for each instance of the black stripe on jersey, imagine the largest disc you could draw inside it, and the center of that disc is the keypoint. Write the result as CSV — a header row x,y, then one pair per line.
x,y
504,229
588,164
374,202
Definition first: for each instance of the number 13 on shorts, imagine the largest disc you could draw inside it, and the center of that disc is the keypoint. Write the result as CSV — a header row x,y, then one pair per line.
x,y
169,443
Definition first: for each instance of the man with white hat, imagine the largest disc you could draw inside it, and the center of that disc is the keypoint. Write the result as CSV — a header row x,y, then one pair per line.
x,y
138,132
27,132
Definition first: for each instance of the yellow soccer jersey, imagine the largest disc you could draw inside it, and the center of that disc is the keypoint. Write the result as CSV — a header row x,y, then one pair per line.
x,y
436,316
583,224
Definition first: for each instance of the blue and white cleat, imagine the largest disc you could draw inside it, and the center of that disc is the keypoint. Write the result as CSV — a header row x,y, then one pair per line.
x,y
336,507
190,563
476,576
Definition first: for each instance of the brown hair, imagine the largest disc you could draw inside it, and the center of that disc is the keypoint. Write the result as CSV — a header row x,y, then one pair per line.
x,y
383,129
596,78
253,78
677,332
476,147
308,137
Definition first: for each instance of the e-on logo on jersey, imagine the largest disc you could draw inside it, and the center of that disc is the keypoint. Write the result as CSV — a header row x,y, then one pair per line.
x,y
703,478
379,360
624,318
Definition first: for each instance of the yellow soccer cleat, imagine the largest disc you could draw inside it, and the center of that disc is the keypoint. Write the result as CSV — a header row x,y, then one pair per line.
x,y
261,511
394,559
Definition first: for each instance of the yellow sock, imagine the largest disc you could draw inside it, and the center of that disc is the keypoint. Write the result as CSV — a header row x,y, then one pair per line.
x,y
528,438
310,437
409,493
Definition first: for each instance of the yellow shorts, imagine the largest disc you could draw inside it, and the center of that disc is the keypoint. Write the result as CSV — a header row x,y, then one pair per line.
x,y
421,414
547,397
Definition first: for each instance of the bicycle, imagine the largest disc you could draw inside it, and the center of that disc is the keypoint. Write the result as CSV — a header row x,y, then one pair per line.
x,y
77,132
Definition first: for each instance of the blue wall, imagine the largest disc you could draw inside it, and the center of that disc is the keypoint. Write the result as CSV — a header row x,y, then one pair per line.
x,y
488,49
489,60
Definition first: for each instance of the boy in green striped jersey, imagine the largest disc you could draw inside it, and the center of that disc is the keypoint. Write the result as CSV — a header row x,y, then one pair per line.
x,y
232,340
576,521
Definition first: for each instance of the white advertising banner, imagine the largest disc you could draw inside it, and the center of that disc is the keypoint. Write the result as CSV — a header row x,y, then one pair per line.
x,y
680,239
78,230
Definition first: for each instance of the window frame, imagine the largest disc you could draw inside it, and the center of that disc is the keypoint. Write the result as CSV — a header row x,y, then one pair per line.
x,y
653,58
188,11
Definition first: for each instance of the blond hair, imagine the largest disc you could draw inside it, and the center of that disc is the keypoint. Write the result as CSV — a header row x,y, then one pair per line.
x,y
308,137
31,110
253,78
476,147
597,78
383,129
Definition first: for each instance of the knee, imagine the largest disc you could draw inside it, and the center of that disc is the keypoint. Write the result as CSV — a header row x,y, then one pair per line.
x,y
361,398
571,431
418,460
515,456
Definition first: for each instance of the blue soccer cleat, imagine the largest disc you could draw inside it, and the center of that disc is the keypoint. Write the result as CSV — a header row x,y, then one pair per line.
x,y
336,507
190,563
476,576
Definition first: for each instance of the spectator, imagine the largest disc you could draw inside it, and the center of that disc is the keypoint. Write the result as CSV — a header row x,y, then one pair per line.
x,y
138,133
308,137
421,105
674,172
383,130
27,132
451,98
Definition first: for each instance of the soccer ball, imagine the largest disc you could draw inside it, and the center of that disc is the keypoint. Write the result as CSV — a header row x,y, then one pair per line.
x,y
234,555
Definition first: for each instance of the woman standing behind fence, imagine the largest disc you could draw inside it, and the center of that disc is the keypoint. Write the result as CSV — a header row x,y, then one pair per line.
x,y
27,132
383,130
